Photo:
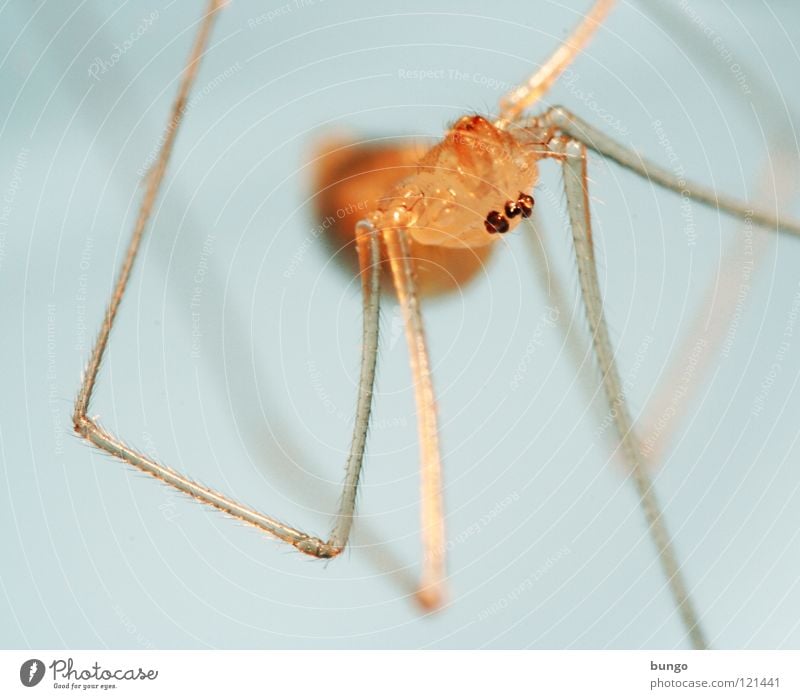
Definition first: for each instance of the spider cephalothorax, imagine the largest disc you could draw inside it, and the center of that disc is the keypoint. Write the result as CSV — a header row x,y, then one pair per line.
x,y
472,170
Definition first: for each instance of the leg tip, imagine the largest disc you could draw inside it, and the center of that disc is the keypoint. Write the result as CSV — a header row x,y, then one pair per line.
x,y
317,548
431,598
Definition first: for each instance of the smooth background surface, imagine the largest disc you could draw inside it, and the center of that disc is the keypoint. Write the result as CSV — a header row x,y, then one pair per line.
x,y
548,548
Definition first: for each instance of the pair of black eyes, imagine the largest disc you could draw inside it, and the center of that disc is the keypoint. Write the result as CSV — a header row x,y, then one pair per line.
x,y
498,223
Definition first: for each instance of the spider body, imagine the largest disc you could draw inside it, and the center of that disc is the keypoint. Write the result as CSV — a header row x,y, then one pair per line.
x,y
452,197
474,170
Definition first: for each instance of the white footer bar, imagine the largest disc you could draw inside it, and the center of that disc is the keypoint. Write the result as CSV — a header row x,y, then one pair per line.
x,y
406,674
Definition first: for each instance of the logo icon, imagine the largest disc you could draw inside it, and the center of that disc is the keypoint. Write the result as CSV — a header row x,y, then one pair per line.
x,y
31,672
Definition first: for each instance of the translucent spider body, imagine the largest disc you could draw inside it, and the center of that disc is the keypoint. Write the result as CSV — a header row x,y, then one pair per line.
x,y
460,184
453,198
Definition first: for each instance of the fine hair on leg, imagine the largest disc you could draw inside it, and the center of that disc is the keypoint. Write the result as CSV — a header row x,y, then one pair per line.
x,y
573,156
369,261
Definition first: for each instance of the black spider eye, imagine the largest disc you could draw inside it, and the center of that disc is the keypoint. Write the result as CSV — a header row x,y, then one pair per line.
x,y
512,209
495,222
525,203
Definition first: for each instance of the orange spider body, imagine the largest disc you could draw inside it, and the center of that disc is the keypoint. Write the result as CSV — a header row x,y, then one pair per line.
x,y
442,196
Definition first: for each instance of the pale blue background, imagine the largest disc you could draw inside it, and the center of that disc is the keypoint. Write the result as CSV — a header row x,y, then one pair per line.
x,y
94,554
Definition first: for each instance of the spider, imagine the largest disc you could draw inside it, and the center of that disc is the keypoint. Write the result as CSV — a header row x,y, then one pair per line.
x,y
448,206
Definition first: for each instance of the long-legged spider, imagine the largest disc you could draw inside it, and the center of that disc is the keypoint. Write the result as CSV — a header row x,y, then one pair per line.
x,y
463,195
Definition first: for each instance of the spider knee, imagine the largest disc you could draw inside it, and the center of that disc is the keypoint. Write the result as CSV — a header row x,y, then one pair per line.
x,y
559,117
574,149
311,546
82,425
571,148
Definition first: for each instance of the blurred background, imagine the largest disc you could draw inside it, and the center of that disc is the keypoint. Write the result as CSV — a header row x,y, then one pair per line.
x,y
236,352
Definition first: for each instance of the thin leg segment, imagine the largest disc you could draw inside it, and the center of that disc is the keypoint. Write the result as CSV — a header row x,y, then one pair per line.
x,y
431,593
523,96
369,259
574,127
776,186
156,175
576,188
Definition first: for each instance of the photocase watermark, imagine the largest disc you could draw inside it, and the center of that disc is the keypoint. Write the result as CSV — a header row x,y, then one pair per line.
x,y
66,675
570,81
100,66
169,508
780,355
679,171
196,97
281,11
53,394
130,627
627,384
197,294
31,672
477,78
748,266
525,586
678,396
547,320
719,45
315,376
82,294
477,526
327,223
9,197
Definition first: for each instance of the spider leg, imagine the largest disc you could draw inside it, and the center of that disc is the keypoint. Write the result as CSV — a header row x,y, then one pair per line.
x,y
573,155
707,335
431,592
154,178
574,127
523,96
775,186
369,259
554,288
88,428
